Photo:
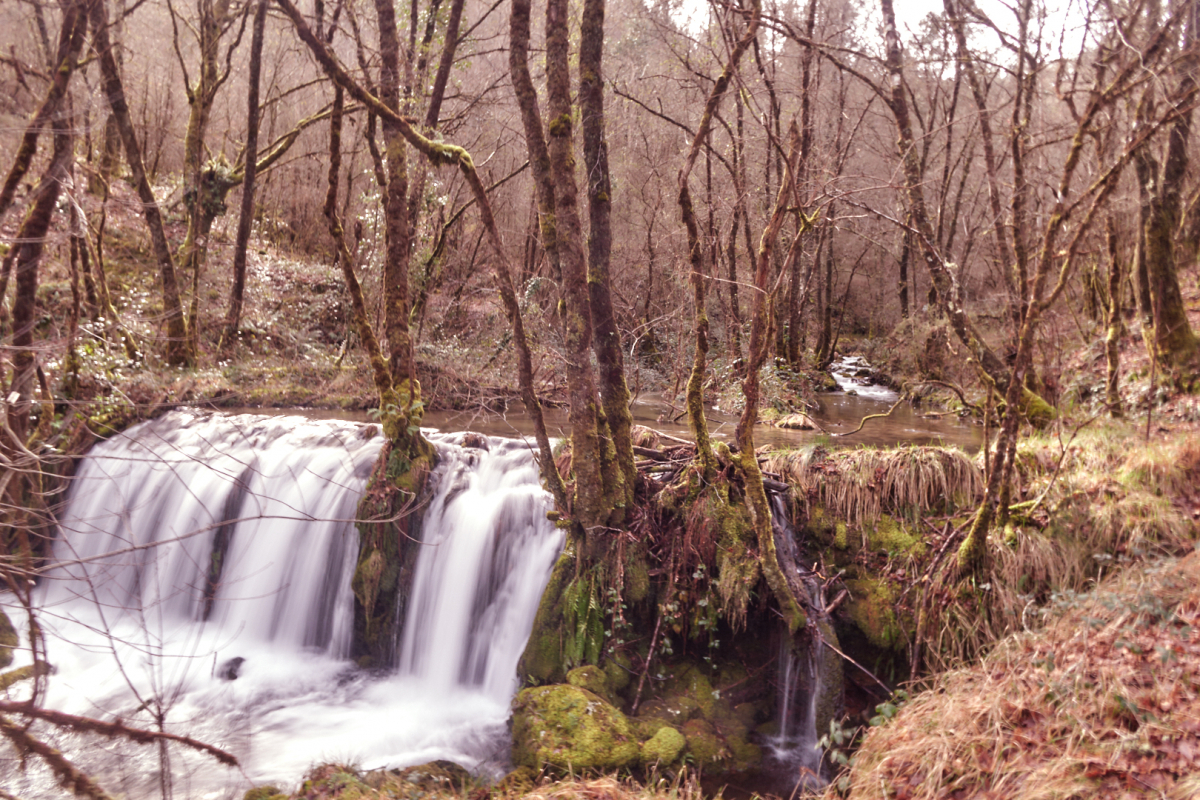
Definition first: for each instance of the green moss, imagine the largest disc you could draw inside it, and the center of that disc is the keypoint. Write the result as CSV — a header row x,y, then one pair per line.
x,y
617,669
872,608
704,744
637,578
689,684
542,661
889,535
663,747
263,793
593,679
387,550
8,640
1036,410
841,536
567,728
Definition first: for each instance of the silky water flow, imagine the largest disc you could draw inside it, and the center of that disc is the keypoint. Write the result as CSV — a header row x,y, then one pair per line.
x,y
258,662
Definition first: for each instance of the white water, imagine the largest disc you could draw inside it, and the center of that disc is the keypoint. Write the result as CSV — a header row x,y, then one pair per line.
x,y
845,371
126,630
794,748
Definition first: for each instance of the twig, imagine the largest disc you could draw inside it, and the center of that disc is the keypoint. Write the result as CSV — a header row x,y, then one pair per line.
x,y
637,698
860,666
863,422
117,728
69,776
957,390
837,601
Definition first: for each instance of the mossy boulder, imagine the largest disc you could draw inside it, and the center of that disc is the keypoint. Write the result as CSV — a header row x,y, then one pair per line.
x,y
436,776
544,659
568,728
704,744
872,607
264,793
716,732
664,747
593,679
388,549
8,640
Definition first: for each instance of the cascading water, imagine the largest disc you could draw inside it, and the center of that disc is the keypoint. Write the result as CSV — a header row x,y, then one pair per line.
x,y
801,678
199,547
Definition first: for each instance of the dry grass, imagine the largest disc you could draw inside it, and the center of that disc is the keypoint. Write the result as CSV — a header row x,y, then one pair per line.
x,y
1103,702
856,486
684,787
435,782
1102,498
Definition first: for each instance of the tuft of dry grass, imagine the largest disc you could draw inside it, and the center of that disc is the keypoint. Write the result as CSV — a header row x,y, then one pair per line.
x,y
1103,702
442,781
608,787
1100,498
856,486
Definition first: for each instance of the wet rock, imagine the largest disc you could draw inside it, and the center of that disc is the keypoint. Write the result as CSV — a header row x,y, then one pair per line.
x,y
796,422
8,640
230,669
438,775
475,440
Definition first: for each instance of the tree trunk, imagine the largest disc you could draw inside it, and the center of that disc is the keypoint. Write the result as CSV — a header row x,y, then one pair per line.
x,y
233,318
70,42
1112,337
967,64
695,390
31,238
614,393
1169,336
397,222
760,337
535,140
178,343
593,502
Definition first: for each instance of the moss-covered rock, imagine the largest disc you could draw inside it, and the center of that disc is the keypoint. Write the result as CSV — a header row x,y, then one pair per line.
x,y
594,679
543,660
8,640
617,669
872,607
264,793
388,549
664,747
568,728
704,744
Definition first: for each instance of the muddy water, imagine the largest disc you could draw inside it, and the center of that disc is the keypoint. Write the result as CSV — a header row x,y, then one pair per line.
x,y
836,413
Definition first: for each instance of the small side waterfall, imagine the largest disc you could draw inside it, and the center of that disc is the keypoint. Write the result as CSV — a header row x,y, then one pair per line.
x,y
801,677
199,547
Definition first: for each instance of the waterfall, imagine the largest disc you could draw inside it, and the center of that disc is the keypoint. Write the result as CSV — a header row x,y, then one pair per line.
x,y
800,676
199,547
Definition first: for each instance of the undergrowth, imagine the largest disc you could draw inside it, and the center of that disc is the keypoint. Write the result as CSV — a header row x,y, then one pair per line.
x,y
1104,702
